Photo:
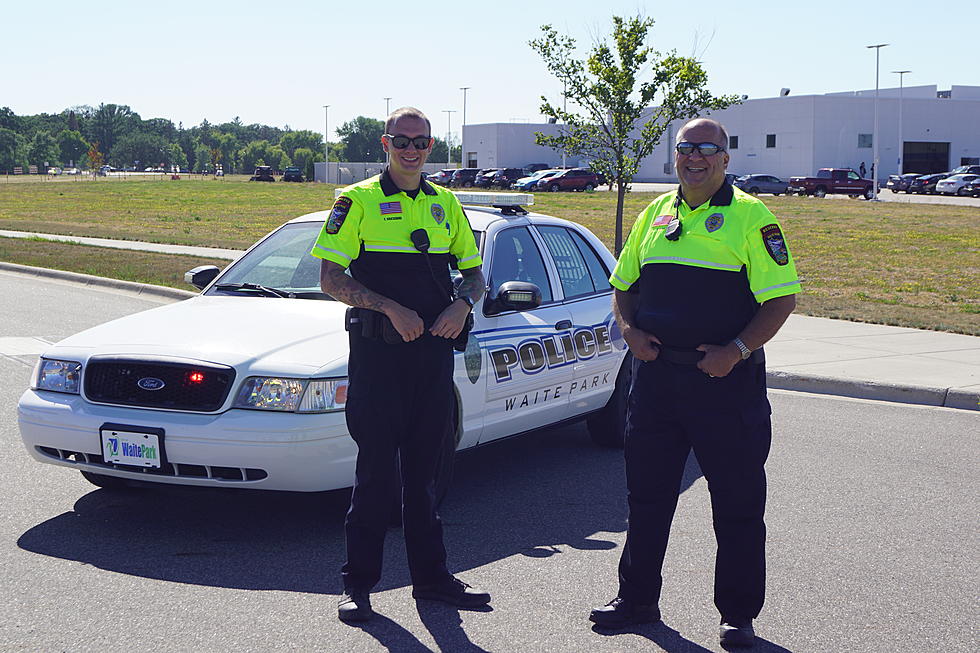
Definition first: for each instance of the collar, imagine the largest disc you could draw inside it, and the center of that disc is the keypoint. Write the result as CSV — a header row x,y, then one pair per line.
x,y
722,197
389,187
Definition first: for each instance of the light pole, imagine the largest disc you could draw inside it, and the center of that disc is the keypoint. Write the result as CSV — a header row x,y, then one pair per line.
x,y
449,150
874,164
901,146
462,131
387,107
326,142
564,108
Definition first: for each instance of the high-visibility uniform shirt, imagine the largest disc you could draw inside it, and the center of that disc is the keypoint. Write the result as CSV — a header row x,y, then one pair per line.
x,y
369,230
705,286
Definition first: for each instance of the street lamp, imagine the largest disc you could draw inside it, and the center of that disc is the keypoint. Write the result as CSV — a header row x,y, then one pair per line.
x,y
449,150
326,142
387,107
462,131
901,146
874,136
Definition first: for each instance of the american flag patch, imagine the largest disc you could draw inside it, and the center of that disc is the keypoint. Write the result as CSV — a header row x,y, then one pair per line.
x,y
387,208
662,220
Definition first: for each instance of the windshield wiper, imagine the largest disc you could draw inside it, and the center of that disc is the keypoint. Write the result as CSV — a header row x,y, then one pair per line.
x,y
265,290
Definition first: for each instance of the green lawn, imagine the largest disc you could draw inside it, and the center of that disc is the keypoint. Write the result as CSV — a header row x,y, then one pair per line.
x,y
906,264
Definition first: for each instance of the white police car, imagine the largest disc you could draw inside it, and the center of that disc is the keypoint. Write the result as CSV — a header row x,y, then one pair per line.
x,y
244,385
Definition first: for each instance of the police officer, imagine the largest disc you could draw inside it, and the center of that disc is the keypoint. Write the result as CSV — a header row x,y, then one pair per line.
x,y
704,280
397,234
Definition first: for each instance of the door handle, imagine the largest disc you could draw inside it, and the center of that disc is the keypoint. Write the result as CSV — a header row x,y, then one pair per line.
x,y
563,325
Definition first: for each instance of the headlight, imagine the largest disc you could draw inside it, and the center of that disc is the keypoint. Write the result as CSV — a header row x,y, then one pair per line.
x,y
57,376
292,395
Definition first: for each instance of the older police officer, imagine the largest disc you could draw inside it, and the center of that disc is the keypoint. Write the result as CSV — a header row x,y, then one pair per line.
x,y
397,234
704,280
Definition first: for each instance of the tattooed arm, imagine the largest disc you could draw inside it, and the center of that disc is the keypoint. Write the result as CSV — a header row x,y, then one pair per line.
x,y
338,284
452,320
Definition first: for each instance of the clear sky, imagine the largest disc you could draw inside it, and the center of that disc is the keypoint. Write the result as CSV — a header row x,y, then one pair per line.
x,y
278,62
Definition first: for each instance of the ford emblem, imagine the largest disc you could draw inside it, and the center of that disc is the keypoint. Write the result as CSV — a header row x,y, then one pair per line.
x,y
151,383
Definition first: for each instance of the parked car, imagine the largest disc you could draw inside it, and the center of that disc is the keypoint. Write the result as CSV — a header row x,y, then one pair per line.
x,y
463,177
898,183
245,385
971,188
926,184
832,181
528,183
954,184
502,179
572,179
441,177
292,173
481,180
966,170
756,184
534,167
262,173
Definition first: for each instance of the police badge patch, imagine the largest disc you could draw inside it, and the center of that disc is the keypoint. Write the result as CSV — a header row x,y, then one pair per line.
x,y
714,222
772,237
338,214
438,214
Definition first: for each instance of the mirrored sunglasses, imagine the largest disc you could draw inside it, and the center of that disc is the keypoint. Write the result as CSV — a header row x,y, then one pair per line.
x,y
401,142
705,149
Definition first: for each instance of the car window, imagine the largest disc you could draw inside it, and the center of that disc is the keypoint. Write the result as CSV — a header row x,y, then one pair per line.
x,y
852,175
598,270
516,258
282,260
573,271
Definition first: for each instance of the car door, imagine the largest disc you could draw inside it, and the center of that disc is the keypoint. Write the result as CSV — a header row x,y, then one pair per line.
x,y
587,294
529,354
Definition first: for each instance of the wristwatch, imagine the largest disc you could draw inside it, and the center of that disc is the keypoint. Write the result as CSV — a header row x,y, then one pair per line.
x,y
467,299
746,352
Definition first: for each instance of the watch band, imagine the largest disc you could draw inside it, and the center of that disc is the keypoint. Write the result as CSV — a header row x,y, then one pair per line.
x,y
467,299
746,352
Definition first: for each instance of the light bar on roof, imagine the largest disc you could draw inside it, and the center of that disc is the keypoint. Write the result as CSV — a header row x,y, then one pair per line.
x,y
482,199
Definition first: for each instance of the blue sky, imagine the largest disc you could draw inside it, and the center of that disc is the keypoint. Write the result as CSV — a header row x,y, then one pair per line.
x,y
279,62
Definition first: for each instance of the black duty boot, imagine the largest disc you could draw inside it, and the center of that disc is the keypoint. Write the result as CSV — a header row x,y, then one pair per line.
x,y
621,612
454,592
354,605
736,633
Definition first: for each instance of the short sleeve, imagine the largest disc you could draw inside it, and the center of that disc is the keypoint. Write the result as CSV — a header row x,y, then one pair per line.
x,y
771,270
339,240
627,269
463,244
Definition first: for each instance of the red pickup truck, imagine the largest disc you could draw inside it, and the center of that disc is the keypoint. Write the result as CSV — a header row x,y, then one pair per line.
x,y
840,181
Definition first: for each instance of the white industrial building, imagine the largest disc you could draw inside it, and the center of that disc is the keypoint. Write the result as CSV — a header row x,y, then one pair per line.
x,y
793,135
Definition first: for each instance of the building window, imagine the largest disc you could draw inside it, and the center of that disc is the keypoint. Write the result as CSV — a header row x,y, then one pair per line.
x,y
770,140
733,142
865,140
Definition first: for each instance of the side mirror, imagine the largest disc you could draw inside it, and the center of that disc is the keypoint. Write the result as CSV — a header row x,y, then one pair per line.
x,y
201,276
514,296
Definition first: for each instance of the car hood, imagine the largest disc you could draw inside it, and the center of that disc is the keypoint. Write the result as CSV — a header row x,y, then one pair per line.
x,y
256,335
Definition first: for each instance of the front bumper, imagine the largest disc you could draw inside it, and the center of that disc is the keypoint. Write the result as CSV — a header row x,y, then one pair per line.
x,y
270,451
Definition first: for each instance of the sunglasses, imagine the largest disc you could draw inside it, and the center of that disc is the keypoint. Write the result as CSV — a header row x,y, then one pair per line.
x,y
401,142
704,149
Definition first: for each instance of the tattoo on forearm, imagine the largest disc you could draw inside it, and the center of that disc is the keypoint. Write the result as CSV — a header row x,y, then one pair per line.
x,y
350,291
473,284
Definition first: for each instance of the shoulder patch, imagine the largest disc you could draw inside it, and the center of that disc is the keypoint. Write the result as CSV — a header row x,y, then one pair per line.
x,y
775,244
338,214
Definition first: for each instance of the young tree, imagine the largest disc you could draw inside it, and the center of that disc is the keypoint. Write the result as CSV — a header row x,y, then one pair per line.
x,y
620,80
95,158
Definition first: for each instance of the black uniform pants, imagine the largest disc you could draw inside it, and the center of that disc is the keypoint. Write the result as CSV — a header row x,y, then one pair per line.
x,y
672,409
398,403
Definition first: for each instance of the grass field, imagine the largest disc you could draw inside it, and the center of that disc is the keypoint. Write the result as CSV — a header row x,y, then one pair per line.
x,y
906,264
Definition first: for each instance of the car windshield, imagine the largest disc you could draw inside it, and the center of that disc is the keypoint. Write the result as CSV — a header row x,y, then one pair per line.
x,y
282,262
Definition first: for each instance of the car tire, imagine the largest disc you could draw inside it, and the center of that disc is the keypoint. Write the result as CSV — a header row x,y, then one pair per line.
x,y
589,188
106,482
820,192
776,194
754,190
554,188
802,193
960,193
607,426
467,184
869,194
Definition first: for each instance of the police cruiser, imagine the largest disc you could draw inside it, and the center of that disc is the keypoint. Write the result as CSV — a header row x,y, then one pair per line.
x,y
244,385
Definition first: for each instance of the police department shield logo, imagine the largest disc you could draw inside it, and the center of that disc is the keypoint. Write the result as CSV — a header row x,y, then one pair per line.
x,y
775,244
438,214
473,359
714,222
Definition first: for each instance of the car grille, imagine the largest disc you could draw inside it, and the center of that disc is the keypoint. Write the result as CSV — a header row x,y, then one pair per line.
x,y
171,469
157,383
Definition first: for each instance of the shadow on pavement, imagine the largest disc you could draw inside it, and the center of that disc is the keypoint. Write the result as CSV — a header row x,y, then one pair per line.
x,y
529,495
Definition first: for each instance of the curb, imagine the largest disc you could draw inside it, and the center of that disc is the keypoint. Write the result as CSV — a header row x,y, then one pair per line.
x,y
141,289
859,389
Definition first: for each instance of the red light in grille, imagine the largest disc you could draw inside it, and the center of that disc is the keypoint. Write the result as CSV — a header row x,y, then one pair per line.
x,y
196,377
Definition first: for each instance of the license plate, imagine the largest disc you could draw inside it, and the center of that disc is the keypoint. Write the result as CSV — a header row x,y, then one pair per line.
x,y
131,448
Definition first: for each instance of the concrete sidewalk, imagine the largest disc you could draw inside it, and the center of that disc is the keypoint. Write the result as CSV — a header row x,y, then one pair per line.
x,y
809,354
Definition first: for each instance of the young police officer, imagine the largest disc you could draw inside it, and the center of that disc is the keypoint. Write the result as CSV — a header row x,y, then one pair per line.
x,y
704,280
397,233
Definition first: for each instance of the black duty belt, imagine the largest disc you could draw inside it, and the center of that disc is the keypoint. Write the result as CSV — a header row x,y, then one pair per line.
x,y
692,356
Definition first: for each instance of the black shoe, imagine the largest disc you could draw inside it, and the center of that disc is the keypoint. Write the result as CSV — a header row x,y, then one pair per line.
x,y
354,605
620,612
454,592
736,633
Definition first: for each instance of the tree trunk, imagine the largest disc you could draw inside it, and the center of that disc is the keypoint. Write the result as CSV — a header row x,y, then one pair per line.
x,y
620,198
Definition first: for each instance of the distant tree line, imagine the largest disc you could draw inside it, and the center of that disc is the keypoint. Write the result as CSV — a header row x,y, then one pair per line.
x,y
113,134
